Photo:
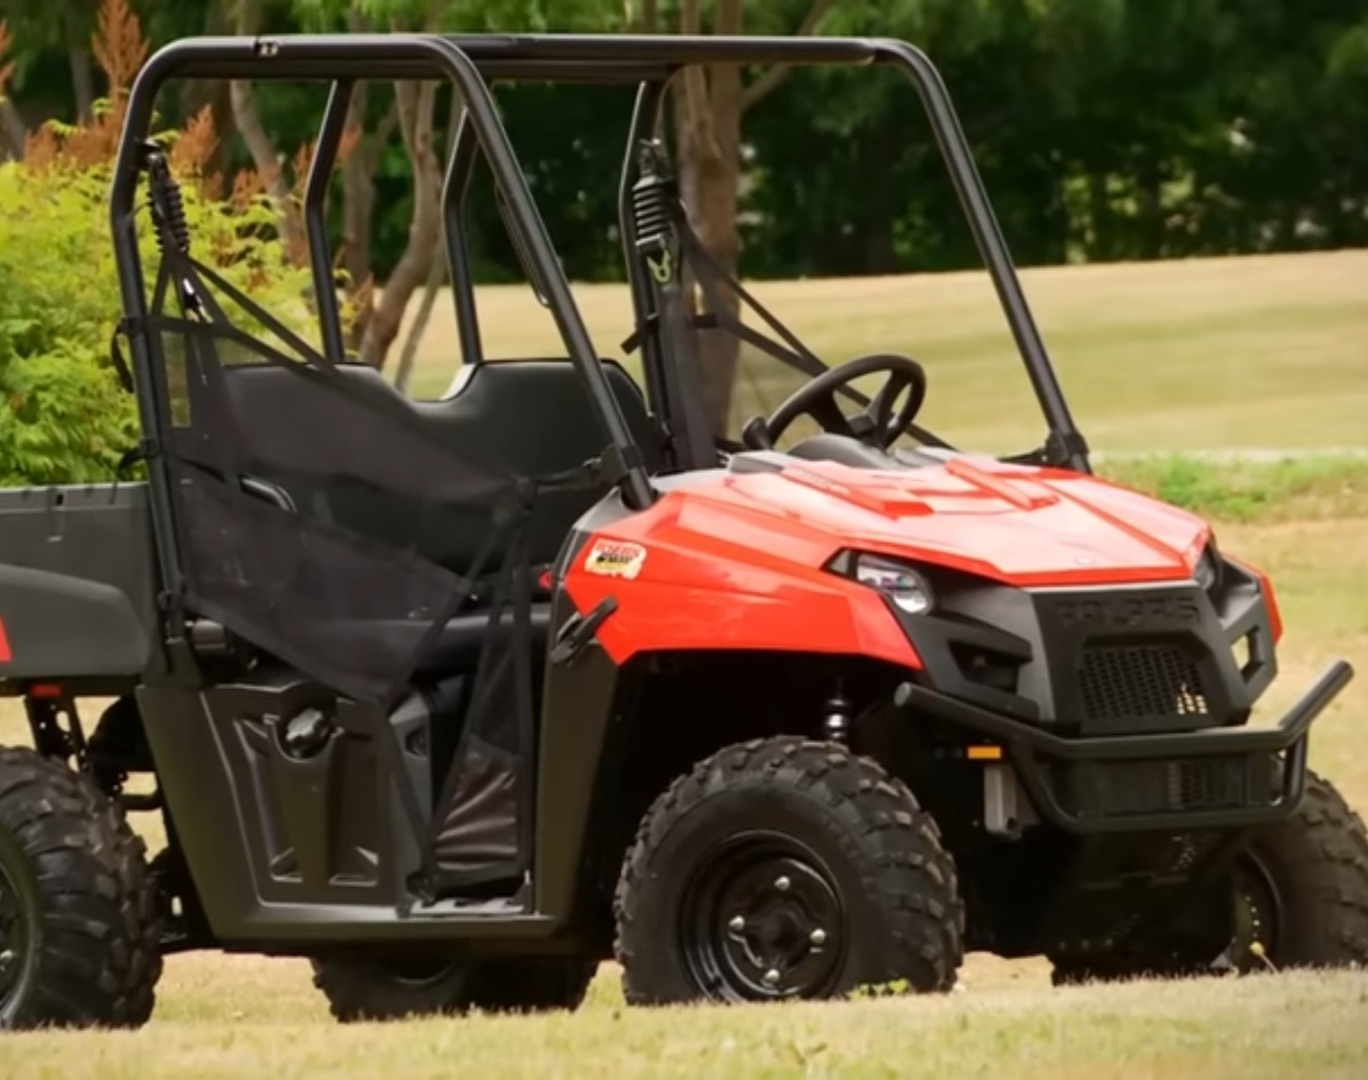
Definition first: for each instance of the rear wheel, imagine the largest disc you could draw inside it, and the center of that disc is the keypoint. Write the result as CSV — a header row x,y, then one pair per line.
x,y
786,869
79,926
396,989
1297,897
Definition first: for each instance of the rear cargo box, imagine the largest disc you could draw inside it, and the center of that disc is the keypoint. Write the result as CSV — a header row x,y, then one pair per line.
x,y
77,582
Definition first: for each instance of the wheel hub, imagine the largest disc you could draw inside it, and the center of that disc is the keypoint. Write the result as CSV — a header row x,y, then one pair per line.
x,y
764,921
1257,915
14,939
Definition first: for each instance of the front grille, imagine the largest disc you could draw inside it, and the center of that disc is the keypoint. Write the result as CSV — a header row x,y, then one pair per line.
x,y
1122,682
1122,789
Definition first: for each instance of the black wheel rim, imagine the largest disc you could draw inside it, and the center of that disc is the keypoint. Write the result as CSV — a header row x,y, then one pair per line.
x,y
1257,915
15,941
419,973
762,919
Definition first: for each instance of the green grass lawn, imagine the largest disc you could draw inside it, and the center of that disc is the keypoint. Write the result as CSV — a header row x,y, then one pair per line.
x,y
1202,354
1239,353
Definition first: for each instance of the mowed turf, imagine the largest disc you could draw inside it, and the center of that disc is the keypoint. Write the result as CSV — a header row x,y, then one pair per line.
x,y
1202,354
230,1016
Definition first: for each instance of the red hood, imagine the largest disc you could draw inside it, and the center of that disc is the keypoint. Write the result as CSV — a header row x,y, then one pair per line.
x,y
1023,525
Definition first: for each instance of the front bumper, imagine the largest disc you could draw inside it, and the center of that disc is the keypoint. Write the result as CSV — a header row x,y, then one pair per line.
x,y
1222,778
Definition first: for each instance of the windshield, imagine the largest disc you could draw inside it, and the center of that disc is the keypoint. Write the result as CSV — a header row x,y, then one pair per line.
x,y
916,286
979,398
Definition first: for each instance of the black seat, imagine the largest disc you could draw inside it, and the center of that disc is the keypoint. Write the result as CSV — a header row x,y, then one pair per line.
x,y
531,418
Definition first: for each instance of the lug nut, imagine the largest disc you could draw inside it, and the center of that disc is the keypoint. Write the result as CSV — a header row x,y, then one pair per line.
x,y
772,977
6,958
737,924
818,936
782,884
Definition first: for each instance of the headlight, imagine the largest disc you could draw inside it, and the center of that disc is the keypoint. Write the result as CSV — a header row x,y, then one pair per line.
x,y
1207,572
907,589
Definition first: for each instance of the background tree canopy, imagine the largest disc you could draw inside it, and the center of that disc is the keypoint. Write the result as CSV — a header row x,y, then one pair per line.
x,y
1105,129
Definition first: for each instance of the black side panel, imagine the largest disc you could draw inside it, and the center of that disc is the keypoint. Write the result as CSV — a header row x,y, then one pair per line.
x,y
576,712
77,582
261,826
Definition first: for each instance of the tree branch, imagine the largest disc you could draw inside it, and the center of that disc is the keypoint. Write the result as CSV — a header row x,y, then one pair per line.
x,y
697,125
13,131
248,120
775,76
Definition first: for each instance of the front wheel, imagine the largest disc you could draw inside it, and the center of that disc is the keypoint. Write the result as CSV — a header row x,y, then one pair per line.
x,y
1297,898
783,868
1303,886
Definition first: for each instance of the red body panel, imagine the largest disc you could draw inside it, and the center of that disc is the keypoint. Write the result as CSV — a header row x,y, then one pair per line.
x,y
5,655
735,560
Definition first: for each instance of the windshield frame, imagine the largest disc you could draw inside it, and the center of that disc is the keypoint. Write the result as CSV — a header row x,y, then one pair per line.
x,y
651,61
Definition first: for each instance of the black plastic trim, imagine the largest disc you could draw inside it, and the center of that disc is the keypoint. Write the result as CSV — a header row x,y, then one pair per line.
x,y
1027,745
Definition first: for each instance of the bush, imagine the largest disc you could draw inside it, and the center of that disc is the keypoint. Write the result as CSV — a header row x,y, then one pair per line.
x,y
64,417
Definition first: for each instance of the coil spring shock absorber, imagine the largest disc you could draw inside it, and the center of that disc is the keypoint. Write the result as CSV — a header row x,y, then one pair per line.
x,y
167,204
654,198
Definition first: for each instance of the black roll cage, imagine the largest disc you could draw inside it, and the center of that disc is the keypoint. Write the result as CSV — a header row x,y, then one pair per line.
x,y
470,64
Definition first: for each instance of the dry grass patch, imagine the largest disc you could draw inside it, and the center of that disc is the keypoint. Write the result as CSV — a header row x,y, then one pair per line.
x,y
1259,351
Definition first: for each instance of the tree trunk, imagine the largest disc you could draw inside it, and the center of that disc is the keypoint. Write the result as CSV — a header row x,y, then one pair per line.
x,y
358,209
13,131
708,118
437,276
649,21
248,120
216,93
416,103
82,86
708,110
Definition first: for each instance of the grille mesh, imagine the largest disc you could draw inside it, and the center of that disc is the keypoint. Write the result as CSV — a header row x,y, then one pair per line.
x,y
1120,682
1149,787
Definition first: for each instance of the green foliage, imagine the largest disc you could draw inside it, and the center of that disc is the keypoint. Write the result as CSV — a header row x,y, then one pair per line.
x,y
1104,129
1293,488
64,418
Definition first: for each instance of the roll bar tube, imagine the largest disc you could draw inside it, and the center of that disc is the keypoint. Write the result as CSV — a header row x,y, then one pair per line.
x,y
321,57
609,58
326,148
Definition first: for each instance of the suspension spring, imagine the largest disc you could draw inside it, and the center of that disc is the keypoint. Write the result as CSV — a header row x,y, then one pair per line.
x,y
654,197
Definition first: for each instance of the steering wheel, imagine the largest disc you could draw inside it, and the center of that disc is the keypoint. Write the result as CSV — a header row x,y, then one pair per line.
x,y
879,425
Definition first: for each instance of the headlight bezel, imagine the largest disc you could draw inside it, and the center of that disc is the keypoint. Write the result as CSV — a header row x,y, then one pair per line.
x,y
902,583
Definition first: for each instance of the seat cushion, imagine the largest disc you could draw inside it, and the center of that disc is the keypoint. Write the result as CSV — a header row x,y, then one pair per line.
x,y
529,418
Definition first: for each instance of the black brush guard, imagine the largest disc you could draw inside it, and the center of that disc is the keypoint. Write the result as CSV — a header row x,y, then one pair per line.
x,y
1066,778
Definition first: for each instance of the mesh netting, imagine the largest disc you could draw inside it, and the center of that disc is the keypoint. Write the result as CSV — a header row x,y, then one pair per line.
x,y
769,363
323,520
304,504
480,831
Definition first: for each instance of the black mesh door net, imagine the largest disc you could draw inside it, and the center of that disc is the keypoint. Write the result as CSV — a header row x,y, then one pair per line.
x,y
321,521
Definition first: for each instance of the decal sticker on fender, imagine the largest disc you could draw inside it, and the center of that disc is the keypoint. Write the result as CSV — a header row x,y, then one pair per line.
x,y
615,558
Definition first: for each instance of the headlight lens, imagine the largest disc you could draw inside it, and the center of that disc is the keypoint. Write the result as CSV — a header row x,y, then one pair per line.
x,y
907,589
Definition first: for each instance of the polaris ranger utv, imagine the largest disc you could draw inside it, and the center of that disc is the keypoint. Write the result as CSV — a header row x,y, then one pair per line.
x,y
458,699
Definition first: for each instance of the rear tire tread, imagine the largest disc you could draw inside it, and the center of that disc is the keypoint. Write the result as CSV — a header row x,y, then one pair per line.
x,y
100,940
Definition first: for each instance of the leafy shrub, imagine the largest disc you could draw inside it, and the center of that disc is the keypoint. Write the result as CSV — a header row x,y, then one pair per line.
x,y
64,417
